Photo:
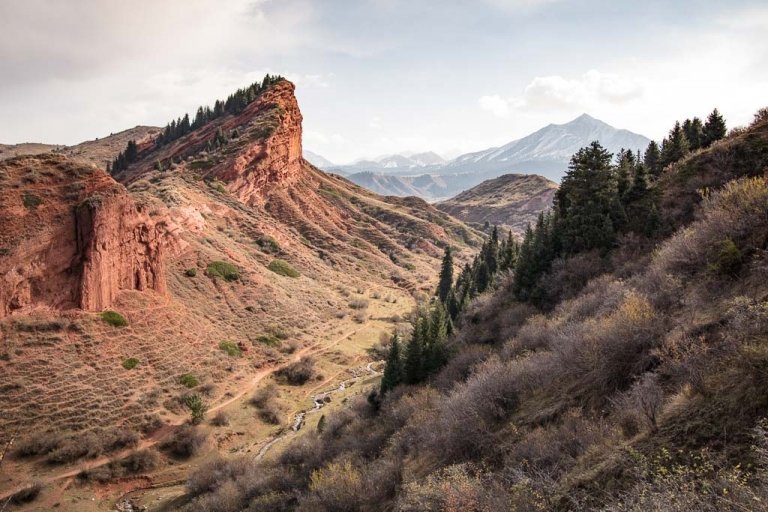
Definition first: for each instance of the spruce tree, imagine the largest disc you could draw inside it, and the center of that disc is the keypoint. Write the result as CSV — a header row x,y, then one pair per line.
x,y
393,371
675,146
588,193
413,369
694,132
714,128
652,160
482,278
446,276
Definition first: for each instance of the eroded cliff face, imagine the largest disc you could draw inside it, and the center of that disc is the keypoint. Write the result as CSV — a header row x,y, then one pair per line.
x,y
73,237
271,151
120,248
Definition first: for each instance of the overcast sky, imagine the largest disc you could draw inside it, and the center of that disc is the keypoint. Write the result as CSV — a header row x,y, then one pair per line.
x,y
381,76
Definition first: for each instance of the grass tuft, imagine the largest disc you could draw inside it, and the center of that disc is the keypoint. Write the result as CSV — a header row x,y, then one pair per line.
x,y
223,270
231,348
114,319
130,363
282,268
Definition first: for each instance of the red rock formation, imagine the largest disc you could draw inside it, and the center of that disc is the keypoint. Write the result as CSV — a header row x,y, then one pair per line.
x,y
84,242
120,247
265,162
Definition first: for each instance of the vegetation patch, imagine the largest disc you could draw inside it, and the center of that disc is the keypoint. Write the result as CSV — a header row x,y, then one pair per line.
x,y
190,272
114,318
268,339
224,270
230,348
188,380
268,243
282,268
130,363
31,201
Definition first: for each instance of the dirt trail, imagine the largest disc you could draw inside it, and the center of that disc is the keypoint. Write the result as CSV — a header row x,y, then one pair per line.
x,y
315,348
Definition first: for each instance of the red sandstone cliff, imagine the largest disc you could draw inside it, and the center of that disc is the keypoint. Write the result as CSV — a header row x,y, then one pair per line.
x,y
73,237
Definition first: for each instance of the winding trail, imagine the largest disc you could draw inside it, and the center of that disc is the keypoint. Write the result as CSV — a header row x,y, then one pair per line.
x,y
159,435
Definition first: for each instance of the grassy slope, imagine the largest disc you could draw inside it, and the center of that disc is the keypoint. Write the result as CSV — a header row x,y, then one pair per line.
x,y
645,391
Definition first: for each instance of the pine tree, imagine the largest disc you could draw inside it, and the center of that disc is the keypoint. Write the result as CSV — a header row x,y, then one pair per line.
x,y
446,275
413,369
624,171
639,186
714,129
652,160
694,132
675,146
393,370
491,253
588,193
482,278
439,328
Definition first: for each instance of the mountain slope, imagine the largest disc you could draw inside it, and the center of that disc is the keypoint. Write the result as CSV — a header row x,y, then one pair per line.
x,y
641,388
256,249
511,201
548,150
318,161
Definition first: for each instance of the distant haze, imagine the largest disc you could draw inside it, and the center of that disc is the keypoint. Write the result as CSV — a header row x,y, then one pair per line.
x,y
375,77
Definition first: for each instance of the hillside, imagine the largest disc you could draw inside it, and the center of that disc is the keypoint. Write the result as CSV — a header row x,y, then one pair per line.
x,y
97,152
230,264
511,201
607,374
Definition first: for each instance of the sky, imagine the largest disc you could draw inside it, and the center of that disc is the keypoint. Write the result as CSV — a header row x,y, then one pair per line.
x,y
376,77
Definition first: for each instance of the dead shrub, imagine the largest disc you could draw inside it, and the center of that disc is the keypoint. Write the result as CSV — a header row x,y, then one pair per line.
x,y
185,442
220,419
26,495
639,408
136,463
298,373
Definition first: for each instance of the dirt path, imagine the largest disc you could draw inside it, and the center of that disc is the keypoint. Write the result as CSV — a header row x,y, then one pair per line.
x,y
313,349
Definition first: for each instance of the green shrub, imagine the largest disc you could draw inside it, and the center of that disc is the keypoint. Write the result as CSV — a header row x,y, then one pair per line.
x,y
223,270
268,339
190,272
728,260
197,408
268,244
188,380
230,348
130,363
283,268
114,318
31,201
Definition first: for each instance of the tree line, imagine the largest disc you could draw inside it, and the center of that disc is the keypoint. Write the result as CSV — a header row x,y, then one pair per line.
x,y
234,104
599,199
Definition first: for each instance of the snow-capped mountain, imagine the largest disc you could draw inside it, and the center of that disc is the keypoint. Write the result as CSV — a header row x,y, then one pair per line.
x,y
548,150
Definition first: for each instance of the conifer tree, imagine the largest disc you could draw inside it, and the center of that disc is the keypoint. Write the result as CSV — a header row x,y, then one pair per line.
x,y
393,370
446,275
675,146
652,160
413,368
588,193
694,132
714,128
482,278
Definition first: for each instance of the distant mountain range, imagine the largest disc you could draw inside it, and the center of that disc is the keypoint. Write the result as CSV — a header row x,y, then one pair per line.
x,y
545,152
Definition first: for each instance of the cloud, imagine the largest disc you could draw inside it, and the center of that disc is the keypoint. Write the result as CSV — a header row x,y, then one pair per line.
x,y
519,5
591,90
495,104
375,123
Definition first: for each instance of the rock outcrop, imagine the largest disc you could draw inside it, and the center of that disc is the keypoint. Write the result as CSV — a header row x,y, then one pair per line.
x,y
73,237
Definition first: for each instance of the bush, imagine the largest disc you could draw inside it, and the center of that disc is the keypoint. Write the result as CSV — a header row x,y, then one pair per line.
x,y
197,408
26,495
268,339
114,318
186,442
31,201
282,268
224,270
268,244
220,420
358,304
130,363
230,348
264,399
297,373
190,272
188,380
40,443
138,462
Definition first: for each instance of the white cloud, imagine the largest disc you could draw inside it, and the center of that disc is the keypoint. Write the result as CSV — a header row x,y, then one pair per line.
x,y
375,123
591,90
495,104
